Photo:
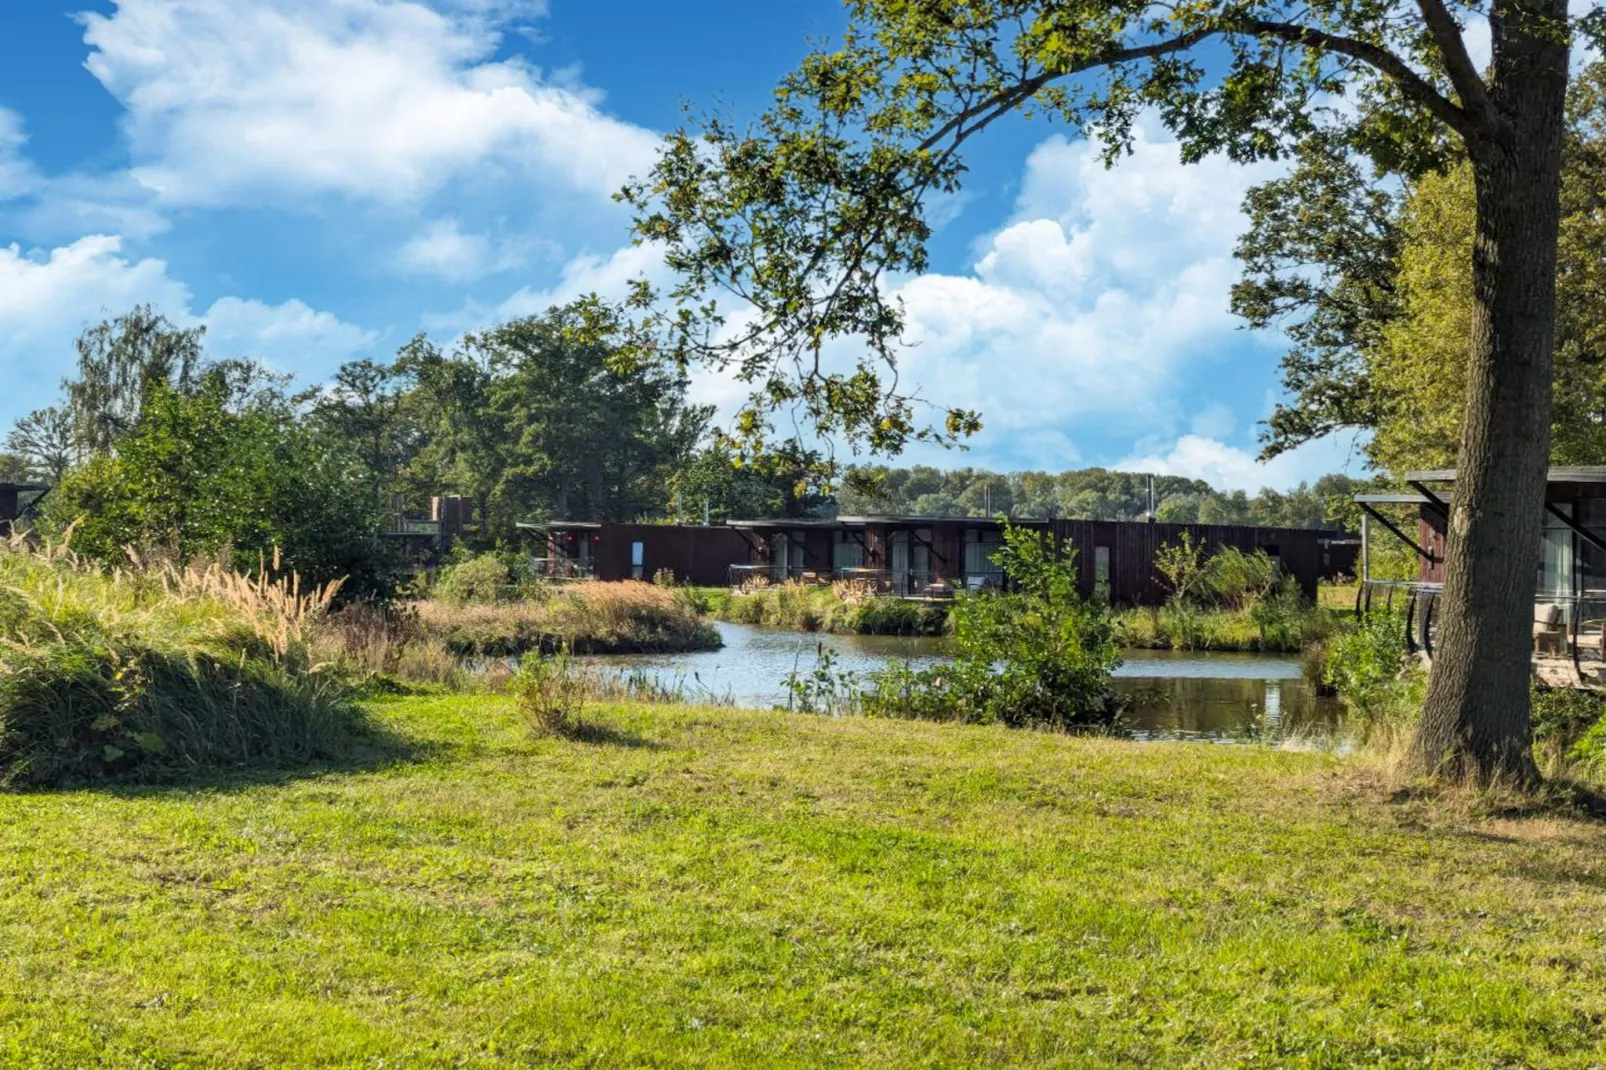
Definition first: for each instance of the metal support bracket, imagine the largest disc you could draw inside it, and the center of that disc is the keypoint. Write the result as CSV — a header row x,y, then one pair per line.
x,y
1402,536
1578,529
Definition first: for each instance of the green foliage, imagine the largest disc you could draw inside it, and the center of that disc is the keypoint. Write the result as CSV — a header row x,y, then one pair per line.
x,y
485,578
801,215
195,478
824,689
1367,664
1182,567
1088,494
1372,281
1567,726
1038,656
1279,625
808,608
1243,579
550,694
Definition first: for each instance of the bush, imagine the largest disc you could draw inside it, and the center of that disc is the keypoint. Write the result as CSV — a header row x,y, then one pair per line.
x,y
1368,666
1038,657
1241,579
1566,727
839,610
550,694
482,579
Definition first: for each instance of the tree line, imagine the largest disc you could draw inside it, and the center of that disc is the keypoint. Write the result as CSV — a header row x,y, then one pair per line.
x,y
1093,494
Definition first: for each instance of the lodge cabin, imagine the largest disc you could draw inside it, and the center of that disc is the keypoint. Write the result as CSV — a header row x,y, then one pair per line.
x,y
590,550
918,557
1569,626
935,557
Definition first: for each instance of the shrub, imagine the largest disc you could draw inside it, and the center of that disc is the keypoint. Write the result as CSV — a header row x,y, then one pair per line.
x,y
1241,579
1182,567
1038,657
844,609
550,694
1565,722
1368,666
482,579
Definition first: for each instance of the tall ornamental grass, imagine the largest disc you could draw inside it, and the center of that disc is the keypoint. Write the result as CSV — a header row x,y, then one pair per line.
x,y
150,671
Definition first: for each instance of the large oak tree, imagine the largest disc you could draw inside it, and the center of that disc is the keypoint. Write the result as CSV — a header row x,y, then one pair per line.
x,y
802,218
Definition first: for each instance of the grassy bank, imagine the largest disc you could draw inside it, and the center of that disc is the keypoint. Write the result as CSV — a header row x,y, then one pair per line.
x,y
1262,629
839,609
1268,627
587,618
722,888
154,672
429,641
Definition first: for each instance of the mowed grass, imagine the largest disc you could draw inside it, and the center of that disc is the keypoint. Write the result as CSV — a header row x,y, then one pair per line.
x,y
712,887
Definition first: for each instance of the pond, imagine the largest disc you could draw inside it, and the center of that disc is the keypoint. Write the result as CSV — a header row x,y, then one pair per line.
x,y
1173,694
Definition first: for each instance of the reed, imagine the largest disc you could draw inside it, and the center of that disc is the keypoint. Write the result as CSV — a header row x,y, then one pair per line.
x,y
151,670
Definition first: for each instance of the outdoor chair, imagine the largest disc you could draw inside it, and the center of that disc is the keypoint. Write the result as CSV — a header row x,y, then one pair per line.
x,y
1550,630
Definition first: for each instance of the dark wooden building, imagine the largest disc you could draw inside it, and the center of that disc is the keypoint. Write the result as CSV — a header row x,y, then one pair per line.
x,y
1569,628
605,551
913,556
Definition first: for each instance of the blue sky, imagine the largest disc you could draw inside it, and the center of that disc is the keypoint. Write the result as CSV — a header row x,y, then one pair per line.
x,y
319,180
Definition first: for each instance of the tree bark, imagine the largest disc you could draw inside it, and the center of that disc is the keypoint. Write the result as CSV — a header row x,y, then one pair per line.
x,y
1475,723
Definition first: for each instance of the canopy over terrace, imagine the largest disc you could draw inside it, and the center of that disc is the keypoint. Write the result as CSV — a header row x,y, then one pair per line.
x,y
18,501
1569,584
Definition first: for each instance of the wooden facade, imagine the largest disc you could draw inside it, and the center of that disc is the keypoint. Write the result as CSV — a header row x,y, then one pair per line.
x,y
936,556
606,551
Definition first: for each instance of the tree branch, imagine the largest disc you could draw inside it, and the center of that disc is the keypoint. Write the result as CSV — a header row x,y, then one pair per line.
x,y
1463,75
1416,88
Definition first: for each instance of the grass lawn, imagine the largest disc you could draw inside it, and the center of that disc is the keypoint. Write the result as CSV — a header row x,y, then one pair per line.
x,y
701,886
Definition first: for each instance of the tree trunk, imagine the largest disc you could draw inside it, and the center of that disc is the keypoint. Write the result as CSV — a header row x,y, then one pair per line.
x,y
1475,723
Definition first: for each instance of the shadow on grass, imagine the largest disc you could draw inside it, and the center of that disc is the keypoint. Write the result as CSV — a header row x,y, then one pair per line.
x,y
366,750
597,734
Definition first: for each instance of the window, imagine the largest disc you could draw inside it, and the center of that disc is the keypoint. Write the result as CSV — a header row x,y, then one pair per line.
x,y
638,560
980,547
1556,556
846,550
1101,572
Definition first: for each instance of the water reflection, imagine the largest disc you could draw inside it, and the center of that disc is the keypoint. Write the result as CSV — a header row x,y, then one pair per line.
x,y
1173,695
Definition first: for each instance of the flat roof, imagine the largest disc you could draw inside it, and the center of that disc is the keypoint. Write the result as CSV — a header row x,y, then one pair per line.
x,y
893,518
19,487
572,525
1390,499
773,523
1583,474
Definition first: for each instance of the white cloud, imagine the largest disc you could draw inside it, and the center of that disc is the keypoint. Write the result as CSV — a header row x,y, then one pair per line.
x,y
1230,468
47,299
1085,313
236,100
607,276
444,251
290,337
17,174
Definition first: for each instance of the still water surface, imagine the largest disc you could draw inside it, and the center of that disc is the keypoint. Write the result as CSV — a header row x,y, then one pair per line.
x,y
1174,694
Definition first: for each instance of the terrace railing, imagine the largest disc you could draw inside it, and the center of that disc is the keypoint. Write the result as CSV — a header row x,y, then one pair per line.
x,y
748,577
564,568
1569,630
